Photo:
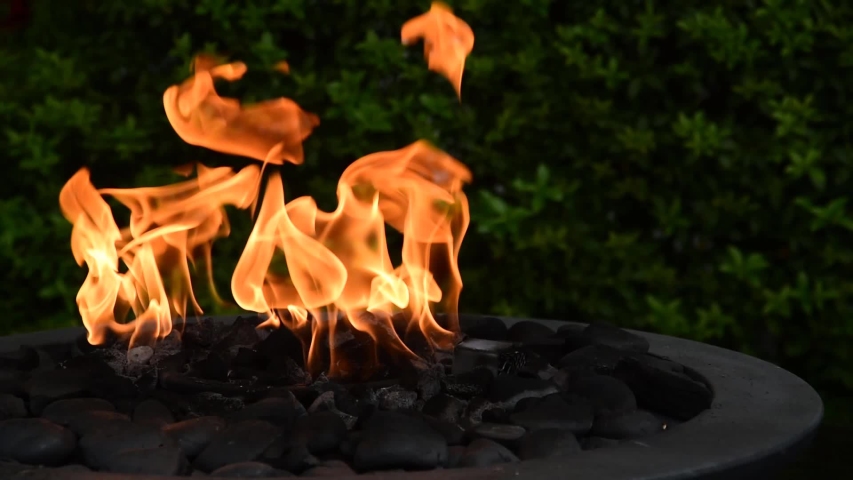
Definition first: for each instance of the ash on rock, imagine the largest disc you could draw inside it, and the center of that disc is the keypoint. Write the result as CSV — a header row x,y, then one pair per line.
x,y
237,401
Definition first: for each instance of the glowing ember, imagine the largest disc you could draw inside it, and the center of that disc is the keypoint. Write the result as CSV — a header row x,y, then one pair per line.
x,y
337,262
447,41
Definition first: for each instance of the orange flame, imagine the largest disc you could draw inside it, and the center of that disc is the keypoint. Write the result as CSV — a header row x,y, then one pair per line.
x,y
336,262
203,118
448,41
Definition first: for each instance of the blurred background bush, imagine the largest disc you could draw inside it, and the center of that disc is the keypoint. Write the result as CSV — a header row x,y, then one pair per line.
x,y
682,167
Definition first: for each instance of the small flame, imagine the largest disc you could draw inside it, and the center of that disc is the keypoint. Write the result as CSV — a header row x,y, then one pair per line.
x,y
448,41
338,280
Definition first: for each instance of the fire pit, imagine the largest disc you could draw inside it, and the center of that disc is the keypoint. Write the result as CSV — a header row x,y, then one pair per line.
x,y
350,363
600,408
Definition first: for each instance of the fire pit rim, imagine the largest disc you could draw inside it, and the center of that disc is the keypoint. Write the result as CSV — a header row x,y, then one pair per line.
x,y
760,415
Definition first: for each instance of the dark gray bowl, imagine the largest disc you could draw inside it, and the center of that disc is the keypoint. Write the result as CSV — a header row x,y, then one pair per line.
x,y
761,418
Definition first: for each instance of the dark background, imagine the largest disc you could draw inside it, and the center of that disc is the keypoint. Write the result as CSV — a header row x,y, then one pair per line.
x,y
682,167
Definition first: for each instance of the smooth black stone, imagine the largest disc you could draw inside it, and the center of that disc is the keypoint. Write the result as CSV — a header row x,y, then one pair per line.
x,y
593,358
329,468
547,443
507,390
100,447
636,424
445,407
451,431
555,412
665,391
74,467
290,455
11,407
320,432
112,387
60,410
195,434
35,441
212,367
164,460
48,386
25,358
487,328
395,440
593,443
608,396
241,442
153,412
483,452
12,381
91,421
396,398
474,383
280,411
249,470
527,331
281,343
525,403
249,358
602,333
499,432
454,454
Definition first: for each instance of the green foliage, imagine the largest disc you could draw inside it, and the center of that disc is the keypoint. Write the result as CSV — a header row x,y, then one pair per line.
x,y
677,166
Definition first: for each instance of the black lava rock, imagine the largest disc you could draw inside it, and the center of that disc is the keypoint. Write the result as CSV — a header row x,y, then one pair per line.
x,y
506,391
484,453
394,440
249,470
281,343
636,424
547,443
195,434
163,460
11,407
212,367
665,391
445,407
35,441
607,395
320,432
241,442
487,328
100,447
556,412
468,384
396,397
153,412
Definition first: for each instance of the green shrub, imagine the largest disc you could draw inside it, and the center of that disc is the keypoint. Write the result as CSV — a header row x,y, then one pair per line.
x,y
676,166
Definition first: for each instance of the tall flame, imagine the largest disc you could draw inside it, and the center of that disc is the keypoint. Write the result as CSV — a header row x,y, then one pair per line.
x,y
338,266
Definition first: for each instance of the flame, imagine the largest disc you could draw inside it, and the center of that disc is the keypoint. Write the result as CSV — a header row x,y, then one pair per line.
x,y
338,280
203,118
448,40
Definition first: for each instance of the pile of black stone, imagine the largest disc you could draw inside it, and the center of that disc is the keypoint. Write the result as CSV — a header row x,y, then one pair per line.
x,y
236,401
